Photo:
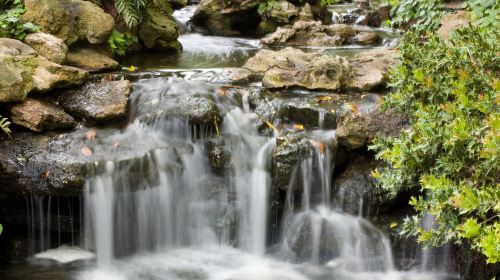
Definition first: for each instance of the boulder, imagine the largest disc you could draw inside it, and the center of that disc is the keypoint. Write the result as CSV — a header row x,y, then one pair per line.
x,y
314,33
100,103
357,129
294,68
371,69
90,59
48,46
366,38
70,20
177,4
356,189
451,22
39,115
197,110
22,71
307,113
377,17
225,18
159,31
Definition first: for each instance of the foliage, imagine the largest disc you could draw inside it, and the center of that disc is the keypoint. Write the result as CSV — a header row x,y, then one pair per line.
x,y
132,11
486,12
4,125
425,14
120,42
450,89
1,229
10,20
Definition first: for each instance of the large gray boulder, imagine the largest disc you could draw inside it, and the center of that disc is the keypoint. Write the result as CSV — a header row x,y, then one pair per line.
x,y
98,102
371,69
70,20
159,31
90,59
357,129
23,71
294,68
48,46
39,115
314,33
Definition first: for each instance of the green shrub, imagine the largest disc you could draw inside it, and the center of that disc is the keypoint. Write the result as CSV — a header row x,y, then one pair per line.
x,y
10,21
120,42
424,15
450,90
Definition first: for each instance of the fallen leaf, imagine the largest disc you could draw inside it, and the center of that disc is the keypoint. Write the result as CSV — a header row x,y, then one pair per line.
x,y
86,151
132,68
352,107
45,175
298,126
223,91
270,125
393,225
318,145
91,135
323,98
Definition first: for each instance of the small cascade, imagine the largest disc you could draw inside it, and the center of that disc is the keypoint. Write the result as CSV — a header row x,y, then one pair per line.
x,y
319,231
436,259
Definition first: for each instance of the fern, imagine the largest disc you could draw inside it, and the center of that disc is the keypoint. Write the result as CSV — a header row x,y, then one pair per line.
x,y
4,125
132,11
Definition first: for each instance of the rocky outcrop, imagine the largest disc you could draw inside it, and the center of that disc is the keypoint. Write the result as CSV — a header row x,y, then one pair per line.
x,y
314,33
22,71
233,17
371,69
90,59
451,22
39,115
377,17
356,190
70,20
236,17
357,129
294,68
48,46
99,103
159,31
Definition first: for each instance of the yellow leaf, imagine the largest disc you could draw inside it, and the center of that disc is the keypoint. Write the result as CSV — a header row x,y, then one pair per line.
x,y
323,98
131,68
298,126
375,174
393,225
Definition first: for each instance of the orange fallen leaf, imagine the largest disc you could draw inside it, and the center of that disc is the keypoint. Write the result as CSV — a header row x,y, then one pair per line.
x,y
86,151
91,135
318,145
323,98
352,107
45,175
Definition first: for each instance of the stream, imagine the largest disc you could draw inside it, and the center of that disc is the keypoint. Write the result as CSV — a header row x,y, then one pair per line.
x,y
158,209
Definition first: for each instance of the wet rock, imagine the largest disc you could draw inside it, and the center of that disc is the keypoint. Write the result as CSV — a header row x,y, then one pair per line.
x,y
197,110
177,4
227,17
22,71
377,17
308,114
90,59
236,17
356,190
357,129
70,20
219,157
371,69
367,38
290,149
48,46
159,31
39,115
451,22
294,68
102,102
314,33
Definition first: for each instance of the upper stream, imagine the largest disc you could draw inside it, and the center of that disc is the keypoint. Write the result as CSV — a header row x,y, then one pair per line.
x,y
169,214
